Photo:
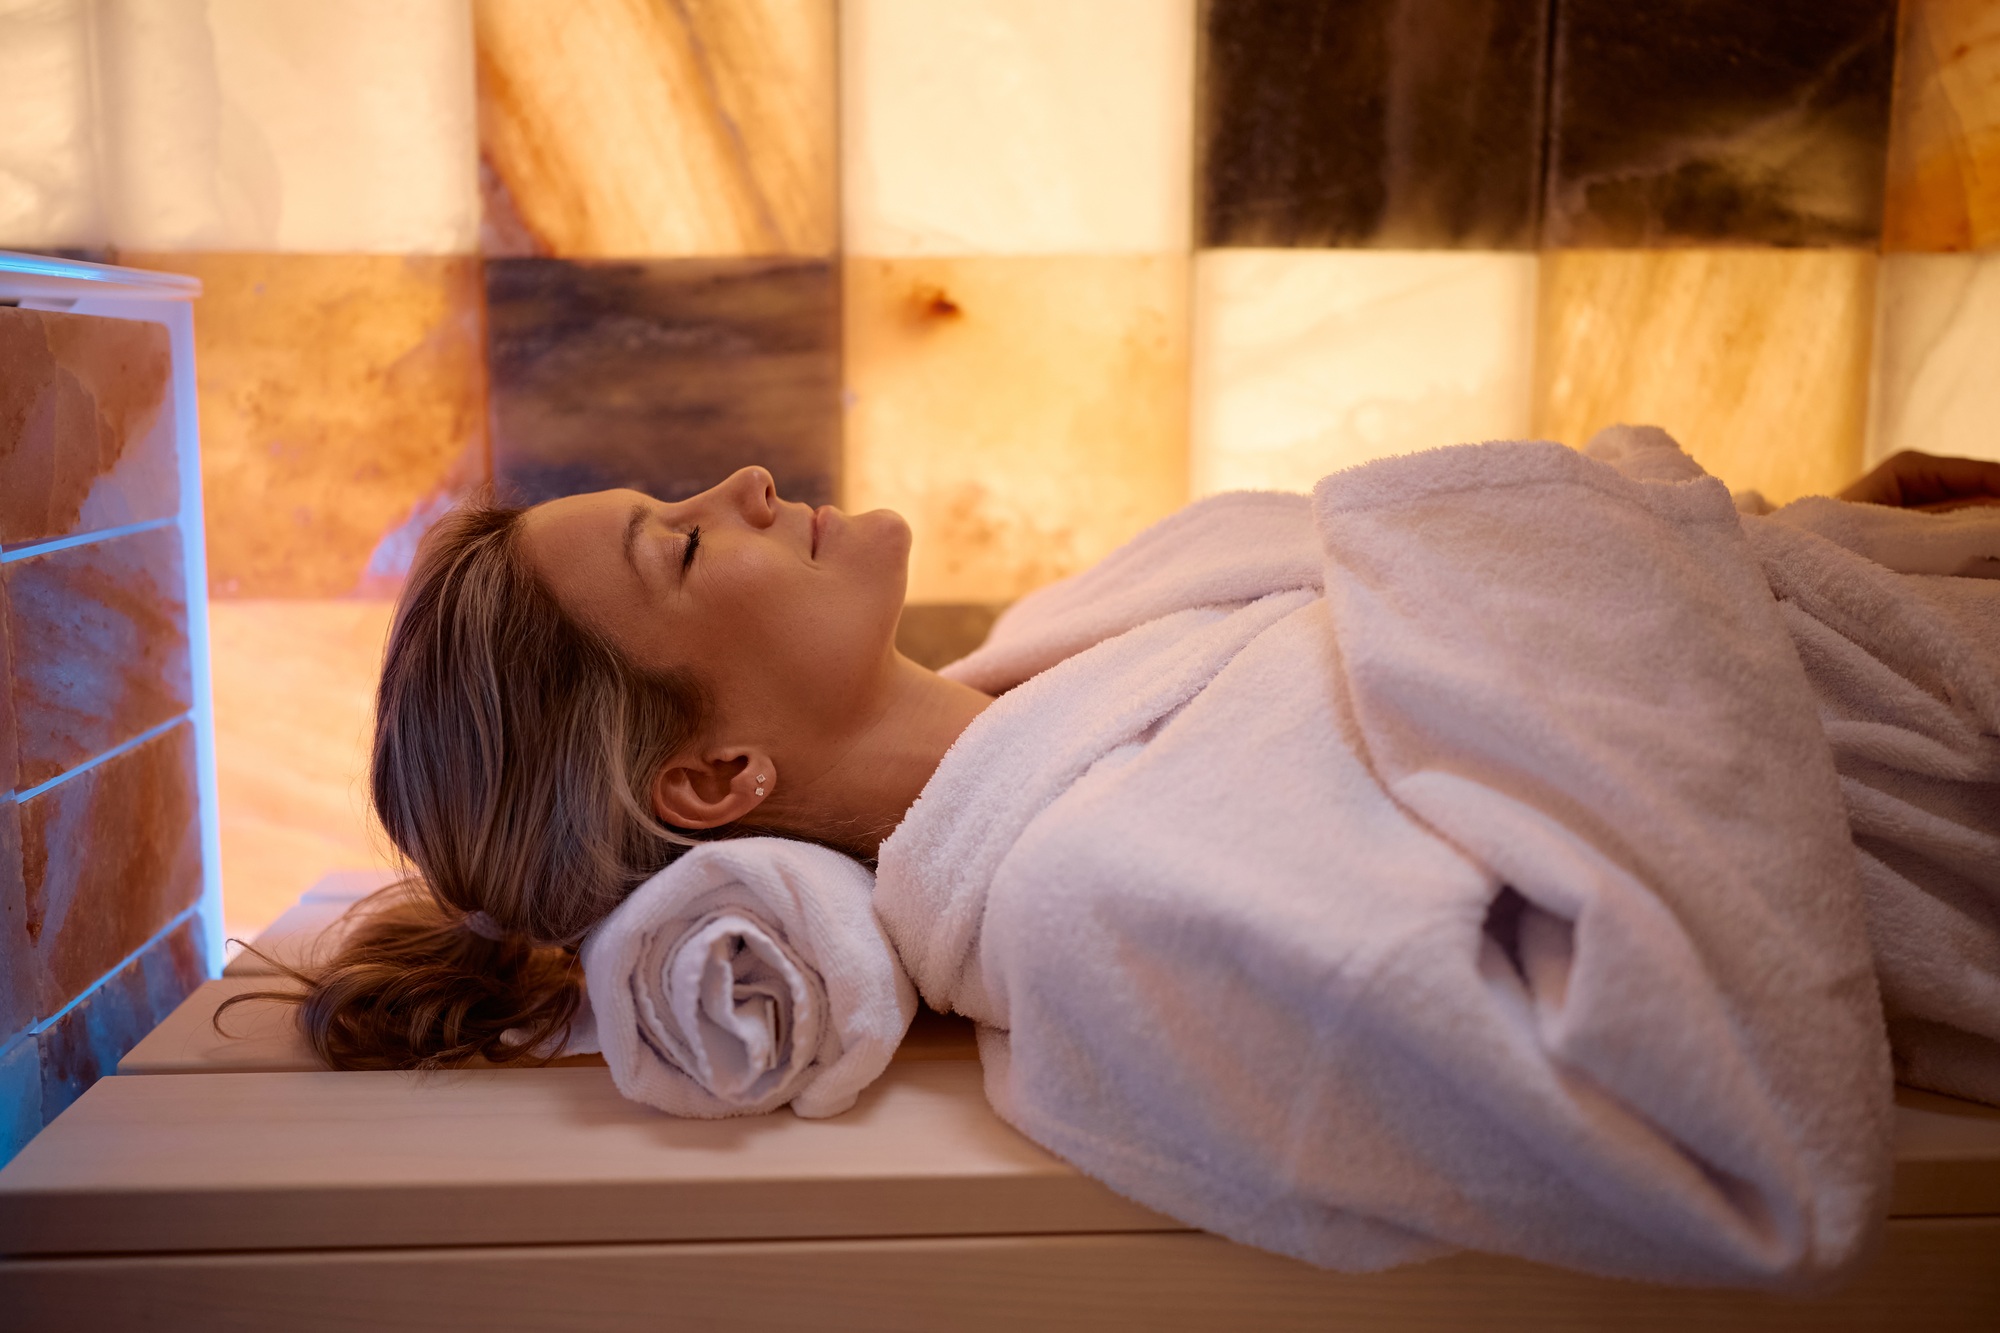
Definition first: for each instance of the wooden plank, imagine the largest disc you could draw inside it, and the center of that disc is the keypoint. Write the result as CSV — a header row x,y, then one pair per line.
x,y
520,1156
303,935
347,886
1940,1276
262,1036
1947,1157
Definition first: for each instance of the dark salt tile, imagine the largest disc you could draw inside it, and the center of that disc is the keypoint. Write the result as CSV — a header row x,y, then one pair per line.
x,y
86,434
17,955
934,633
87,1042
663,375
1389,123
108,856
10,756
100,647
20,1096
1700,121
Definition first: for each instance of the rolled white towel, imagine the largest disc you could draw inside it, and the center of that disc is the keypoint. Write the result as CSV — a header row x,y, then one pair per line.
x,y
749,974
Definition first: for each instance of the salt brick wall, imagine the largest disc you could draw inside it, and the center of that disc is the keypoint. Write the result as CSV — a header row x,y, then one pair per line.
x,y
989,261
100,861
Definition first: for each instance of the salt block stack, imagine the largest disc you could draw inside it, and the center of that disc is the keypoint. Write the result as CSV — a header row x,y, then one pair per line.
x,y
102,931
1032,272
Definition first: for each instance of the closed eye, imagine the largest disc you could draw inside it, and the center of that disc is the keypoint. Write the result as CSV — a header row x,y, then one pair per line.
x,y
687,551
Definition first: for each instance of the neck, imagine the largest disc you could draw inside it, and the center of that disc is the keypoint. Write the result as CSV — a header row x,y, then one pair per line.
x,y
862,795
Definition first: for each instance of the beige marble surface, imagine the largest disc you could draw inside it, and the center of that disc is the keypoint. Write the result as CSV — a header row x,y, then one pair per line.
x,y
1943,186
1016,126
1937,357
304,126
49,188
633,129
1025,414
1756,361
294,715
343,402
1308,361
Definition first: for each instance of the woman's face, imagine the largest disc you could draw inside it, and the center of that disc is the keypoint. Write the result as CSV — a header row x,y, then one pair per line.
x,y
787,613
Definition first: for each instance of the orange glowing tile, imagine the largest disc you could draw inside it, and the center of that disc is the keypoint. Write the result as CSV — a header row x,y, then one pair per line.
x,y
1944,136
294,719
625,129
1935,386
343,401
1309,361
1026,415
1755,360
1016,126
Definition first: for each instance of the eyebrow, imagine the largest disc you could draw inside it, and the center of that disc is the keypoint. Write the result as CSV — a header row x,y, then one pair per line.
x,y
632,526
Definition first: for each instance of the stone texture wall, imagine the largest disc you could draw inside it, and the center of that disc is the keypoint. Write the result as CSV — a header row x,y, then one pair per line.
x,y
1033,272
100,849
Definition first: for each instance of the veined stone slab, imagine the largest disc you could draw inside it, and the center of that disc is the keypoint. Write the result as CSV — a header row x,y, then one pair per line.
x,y
110,855
1937,370
100,647
1025,414
17,951
1755,360
86,1043
1944,143
1309,361
1402,124
86,434
343,407
1009,127
314,125
1691,122
630,129
664,375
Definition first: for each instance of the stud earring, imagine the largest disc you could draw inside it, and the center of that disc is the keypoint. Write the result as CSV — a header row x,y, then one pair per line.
x,y
760,791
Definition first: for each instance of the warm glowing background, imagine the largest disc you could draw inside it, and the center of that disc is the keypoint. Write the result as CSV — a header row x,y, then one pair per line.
x,y
1034,272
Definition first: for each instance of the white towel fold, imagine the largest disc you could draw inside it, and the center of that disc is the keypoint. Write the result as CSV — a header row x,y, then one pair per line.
x,y
749,974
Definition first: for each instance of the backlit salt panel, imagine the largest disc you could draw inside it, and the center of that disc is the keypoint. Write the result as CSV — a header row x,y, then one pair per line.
x,y
100,645
1016,126
314,125
1397,124
86,429
664,375
1705,122
49,196
632,129
1309,361
111,853
293,779
1755,360
1026,415
343,404
1944,143
1937,374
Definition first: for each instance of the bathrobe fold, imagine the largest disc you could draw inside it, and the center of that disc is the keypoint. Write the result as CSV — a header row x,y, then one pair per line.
x,y
1453,859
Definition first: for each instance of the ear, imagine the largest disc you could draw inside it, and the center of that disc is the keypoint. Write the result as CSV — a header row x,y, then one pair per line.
x,y
717,787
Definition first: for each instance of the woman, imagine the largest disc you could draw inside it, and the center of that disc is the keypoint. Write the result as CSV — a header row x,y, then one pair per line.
x,y
574,691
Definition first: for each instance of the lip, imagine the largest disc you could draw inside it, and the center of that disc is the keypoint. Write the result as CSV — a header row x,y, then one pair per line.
x,y
818,527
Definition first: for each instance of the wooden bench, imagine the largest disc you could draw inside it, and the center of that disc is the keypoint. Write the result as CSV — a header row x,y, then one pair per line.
x,y
229,1182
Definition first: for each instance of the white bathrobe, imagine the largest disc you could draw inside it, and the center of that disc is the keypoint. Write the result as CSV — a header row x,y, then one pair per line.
x,y
1453,859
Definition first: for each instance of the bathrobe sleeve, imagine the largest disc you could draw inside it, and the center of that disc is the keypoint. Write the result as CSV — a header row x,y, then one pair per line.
x,y
1580,681
1501,898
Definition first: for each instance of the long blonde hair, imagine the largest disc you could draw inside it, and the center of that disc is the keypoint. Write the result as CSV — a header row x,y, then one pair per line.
x,y
515,750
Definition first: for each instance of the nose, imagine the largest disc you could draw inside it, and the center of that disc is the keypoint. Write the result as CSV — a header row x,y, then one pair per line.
x,y
753,493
